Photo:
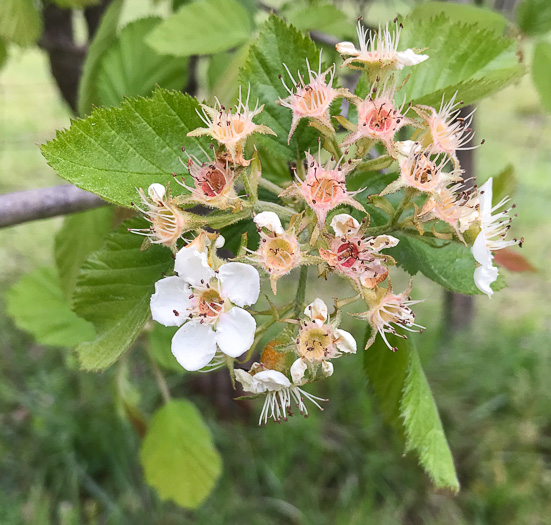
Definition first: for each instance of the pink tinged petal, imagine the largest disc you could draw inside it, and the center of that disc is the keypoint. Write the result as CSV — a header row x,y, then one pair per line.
x,y
317,311
345,342
170,301
194,345
344,224
410,57
327,368
270,380
298,368
480,250
270,221
192,266
240,283
235,332
484,276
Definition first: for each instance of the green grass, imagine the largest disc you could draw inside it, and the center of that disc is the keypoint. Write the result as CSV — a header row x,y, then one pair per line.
x,y
68,455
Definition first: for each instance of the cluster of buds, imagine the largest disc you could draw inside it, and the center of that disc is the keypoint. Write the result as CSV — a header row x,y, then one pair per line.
x,y
207,297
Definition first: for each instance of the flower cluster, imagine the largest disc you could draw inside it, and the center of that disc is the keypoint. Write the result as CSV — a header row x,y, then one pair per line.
x,y
318,218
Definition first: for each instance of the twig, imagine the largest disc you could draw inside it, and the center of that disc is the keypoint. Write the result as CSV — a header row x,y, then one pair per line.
x,y
32,205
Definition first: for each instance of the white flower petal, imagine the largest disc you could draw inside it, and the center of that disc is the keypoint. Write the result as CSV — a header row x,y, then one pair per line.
x,y
235,332
410,57
484,276
382,242
405,147
240,283
270,380
156,191
170,301
298,368
269,220
485,198
194,345
327,368
246,379
345,342
317,311
480,250
192,266
346,48
220,241
344,224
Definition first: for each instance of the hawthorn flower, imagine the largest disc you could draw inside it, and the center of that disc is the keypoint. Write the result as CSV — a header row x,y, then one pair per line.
x,y
280,392
231,129
312,100
493,230
456,205
318,342
324,188
378,50
208,305
388,312
213,182
378,117
351,254
278,251
421,171
445,132
168,222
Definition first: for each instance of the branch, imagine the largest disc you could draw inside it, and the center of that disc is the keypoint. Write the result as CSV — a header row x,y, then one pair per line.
x,y
31,205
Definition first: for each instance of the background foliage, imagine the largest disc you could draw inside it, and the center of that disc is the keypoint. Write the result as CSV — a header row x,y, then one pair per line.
x,y
69,440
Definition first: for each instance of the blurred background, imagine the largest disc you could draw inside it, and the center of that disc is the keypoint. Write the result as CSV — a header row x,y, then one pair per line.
x,y
68,454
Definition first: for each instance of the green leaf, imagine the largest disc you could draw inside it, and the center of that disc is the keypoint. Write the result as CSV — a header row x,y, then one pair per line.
x,y
160,341
451,265
406,402
326,18
462,57
3,53
113,292
201,28
504,184
469,14
131,68
75,4
178,455
105,37
534,17
279,44
223,74
20,22
541,73
36,304
116,150
81,234
387,372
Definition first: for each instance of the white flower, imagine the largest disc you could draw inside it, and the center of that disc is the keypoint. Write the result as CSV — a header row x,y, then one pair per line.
x,y
278,250
493,229
317,342
388,312
168,222
280,393
202,301
231,129
378,49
